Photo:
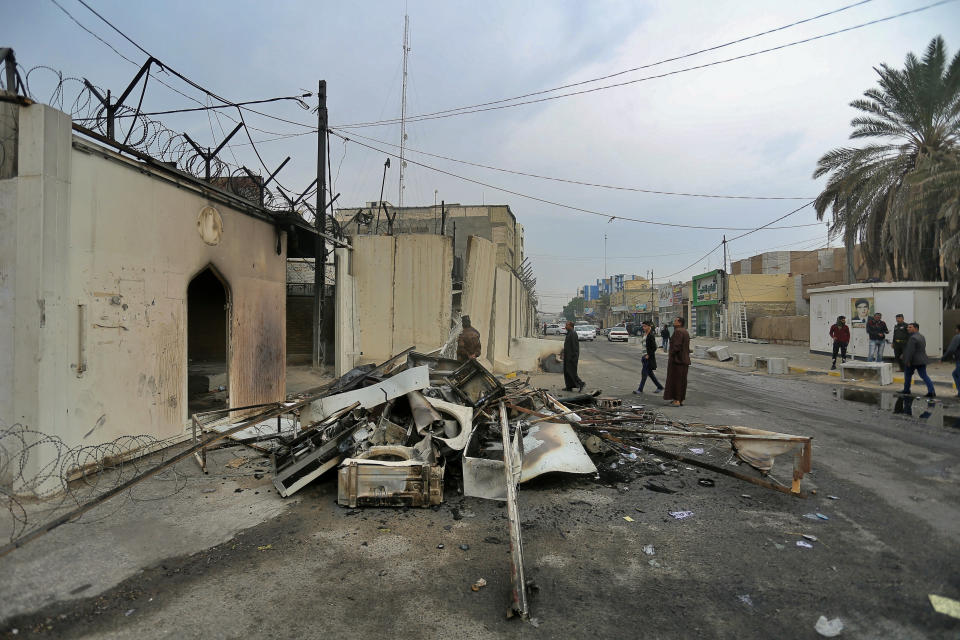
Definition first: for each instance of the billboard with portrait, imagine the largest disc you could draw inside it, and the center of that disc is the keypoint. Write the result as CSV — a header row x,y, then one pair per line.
x,y
860,310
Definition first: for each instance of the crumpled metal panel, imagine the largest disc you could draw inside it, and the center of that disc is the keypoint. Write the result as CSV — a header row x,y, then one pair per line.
x,y
464,417
483,477
553,447
374,395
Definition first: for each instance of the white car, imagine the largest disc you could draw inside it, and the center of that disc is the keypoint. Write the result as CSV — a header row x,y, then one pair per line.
x,y
553,329
586,332
618,333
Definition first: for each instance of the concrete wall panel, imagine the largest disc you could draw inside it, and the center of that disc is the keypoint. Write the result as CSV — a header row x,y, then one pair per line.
x,y
372,270
422,291
479,280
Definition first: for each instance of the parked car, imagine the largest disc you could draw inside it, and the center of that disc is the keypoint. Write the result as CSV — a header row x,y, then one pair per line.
x,y
554,329
561,330
586,332
618,333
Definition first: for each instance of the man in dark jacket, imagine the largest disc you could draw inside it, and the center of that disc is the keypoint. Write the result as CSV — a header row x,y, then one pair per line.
x,y
665,336
468,344
678,364
571,357
953,353
649,359
915,360
840,333
900,335
877,333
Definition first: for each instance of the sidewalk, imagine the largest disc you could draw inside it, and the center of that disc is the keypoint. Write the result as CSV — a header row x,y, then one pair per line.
x,y
800,360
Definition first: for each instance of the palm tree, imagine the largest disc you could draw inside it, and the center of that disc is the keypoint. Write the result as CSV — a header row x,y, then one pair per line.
x,y
899,195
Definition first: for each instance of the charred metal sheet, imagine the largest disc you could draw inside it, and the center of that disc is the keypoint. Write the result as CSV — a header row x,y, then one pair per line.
x,y
392,476
511,470
553,447
482,464
440,368
425,417
474,384
374,395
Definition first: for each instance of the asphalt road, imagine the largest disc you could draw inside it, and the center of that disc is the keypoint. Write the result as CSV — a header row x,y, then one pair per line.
x,y
732,570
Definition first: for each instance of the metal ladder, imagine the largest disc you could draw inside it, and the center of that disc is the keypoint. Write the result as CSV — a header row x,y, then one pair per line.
x,y
738,322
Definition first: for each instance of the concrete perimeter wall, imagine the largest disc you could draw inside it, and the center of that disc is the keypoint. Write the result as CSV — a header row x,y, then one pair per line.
x,y
97,254
402,294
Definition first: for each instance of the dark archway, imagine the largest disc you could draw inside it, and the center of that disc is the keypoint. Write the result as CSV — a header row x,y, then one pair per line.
x,y
207,340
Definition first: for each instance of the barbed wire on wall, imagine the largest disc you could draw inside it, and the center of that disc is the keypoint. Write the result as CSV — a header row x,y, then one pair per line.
x,y
134,130
41,476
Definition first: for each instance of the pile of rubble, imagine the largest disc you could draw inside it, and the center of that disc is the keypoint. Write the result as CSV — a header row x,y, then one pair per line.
x,y
398,432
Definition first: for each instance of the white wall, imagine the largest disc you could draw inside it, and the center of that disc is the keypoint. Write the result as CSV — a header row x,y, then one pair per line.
x,y
100,233
918,304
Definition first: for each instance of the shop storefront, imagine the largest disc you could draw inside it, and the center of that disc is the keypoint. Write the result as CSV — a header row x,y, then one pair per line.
x,y
709,290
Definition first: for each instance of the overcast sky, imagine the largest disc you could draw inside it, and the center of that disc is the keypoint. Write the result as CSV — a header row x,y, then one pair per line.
x,y
750,127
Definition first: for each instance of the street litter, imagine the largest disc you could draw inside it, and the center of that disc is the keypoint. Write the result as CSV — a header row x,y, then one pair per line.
x,y
696,450
681,515
944,605
479,584
628,518
649,550
804,544
828,628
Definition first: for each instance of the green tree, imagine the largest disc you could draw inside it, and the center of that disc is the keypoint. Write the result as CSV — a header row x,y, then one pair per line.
x,y
573,309
898,194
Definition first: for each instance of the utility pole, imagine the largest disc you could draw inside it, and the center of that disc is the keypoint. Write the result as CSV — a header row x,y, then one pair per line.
x,y
320,243
653,299
403,104
724,252
605,262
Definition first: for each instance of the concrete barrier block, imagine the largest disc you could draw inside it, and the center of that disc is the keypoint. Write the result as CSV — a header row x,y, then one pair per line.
x,y
721,353
879,372
777,366
745,360
699,351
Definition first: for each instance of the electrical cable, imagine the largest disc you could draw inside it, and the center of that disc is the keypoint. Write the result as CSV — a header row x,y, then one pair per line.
x,y
496,107
610,217
578,182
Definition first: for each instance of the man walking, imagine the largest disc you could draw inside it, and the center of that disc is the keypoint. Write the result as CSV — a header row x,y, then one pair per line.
x,y
678,364
840,333
877,332
571,357
665,336
468,344
649,359
915,360
900,336
952,353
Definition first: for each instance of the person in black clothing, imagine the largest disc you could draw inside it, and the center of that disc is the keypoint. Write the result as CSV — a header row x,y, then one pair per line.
x,y
900,337
571,357
649,359
665,336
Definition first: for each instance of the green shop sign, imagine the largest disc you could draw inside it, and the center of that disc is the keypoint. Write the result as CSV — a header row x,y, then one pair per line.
x,y
708,288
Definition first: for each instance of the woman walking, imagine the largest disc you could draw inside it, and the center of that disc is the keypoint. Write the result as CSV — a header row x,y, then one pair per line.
x,y
649,359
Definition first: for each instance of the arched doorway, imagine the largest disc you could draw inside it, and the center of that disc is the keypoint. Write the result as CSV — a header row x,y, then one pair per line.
x,y
207,340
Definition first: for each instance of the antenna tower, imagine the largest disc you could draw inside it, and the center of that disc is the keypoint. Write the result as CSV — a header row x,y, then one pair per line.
x,y
403,105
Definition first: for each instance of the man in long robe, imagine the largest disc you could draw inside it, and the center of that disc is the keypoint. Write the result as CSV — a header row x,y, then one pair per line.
x,y
571,358
678,364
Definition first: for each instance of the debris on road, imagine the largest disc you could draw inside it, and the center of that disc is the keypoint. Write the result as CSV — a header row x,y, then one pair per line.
x,y
828,628
479,584
944,605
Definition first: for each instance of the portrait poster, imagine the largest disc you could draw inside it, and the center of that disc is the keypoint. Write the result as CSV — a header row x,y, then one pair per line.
x,y
860,310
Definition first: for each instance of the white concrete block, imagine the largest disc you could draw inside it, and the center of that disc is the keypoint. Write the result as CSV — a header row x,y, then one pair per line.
x,y
699,351
721,353
879,372
745,360
777,366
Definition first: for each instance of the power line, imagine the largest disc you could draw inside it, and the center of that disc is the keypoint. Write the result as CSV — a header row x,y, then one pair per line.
x,y
579,182
495,107
610,217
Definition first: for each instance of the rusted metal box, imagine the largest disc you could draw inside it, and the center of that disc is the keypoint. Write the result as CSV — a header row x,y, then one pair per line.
x,y
383,483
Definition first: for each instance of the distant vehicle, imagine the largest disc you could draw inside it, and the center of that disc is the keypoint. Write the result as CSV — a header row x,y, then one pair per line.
x,y
618,333
554,329
561,330
586,332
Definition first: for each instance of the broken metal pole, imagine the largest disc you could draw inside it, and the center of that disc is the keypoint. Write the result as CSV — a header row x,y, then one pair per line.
x,y
518,594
